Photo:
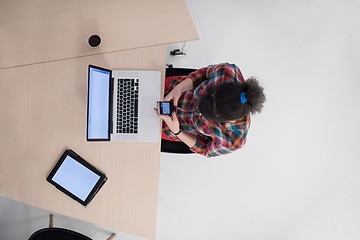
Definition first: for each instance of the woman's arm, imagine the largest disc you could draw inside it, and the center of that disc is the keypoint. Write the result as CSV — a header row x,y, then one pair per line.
x,y
195,79
175,94
187,138
173,123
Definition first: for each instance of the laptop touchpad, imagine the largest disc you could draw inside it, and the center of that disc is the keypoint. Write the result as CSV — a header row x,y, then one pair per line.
x,y
147,104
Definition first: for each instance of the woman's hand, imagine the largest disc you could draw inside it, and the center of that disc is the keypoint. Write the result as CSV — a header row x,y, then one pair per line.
x,y
175,94
171,121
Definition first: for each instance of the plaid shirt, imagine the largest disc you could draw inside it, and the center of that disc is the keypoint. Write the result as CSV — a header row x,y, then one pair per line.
x,y
213,138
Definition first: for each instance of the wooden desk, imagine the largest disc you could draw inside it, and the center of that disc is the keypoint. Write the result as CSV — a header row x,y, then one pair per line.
x,y
42,30
43,90
43,112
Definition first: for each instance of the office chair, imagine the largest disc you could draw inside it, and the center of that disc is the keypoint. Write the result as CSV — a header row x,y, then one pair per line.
x,y
52,233
173,146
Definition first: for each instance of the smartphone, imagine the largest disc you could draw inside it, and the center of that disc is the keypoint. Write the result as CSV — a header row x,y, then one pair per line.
x,y
165,108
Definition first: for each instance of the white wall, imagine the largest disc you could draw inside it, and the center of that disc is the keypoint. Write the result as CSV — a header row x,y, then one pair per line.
x,y
298,176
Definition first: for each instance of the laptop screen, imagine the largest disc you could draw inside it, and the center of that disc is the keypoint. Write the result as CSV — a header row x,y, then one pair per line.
x,y
98,122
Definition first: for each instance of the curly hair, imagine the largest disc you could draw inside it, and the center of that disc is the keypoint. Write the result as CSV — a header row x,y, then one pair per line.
x,y
222,102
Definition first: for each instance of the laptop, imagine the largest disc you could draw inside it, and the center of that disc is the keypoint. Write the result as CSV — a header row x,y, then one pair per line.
x,y
120,105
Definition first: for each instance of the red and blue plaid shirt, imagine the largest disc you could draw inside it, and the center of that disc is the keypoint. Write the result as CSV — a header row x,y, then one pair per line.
x,y
213,138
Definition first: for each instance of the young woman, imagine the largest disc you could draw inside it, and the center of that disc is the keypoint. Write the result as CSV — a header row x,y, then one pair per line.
x,y
213,107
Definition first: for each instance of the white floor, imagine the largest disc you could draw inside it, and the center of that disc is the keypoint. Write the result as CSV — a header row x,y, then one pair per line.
x,y
298,175
20,221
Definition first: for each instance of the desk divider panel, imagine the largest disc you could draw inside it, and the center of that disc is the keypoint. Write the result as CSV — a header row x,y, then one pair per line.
x,y
41,30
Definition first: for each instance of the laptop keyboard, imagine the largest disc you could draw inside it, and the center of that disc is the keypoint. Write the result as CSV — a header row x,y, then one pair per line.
x,y
127,106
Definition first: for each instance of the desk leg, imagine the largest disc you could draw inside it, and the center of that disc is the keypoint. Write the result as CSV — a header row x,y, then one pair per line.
x,y
51,221
112,236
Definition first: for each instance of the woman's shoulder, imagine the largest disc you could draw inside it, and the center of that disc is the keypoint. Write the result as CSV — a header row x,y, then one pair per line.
x,y
226,72
238,125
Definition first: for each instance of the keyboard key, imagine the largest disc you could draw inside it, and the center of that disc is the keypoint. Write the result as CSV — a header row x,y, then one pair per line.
x,y
136,108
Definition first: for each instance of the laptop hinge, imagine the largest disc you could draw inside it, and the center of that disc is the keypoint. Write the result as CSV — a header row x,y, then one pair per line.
x,y
111,105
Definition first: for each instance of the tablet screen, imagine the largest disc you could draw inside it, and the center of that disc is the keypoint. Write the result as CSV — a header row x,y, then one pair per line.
x,y
76,177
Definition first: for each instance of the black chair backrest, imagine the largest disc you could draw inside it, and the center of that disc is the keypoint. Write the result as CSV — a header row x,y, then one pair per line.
x,y
171,146
170,72
57,234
